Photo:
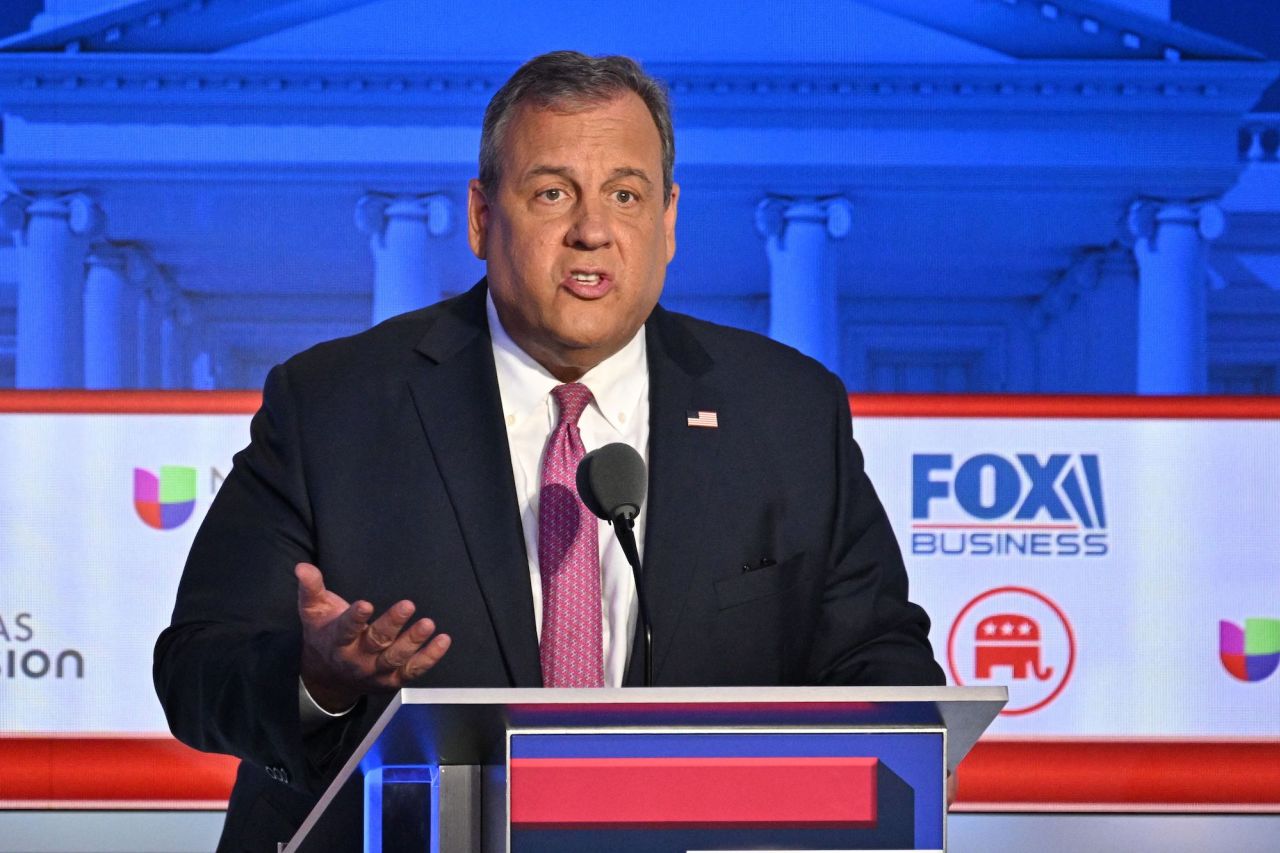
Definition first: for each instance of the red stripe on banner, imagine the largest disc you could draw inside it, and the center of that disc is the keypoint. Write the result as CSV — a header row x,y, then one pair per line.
x,y
119,772
1062,406
1111,775
998,775
861,405
130,402
686,792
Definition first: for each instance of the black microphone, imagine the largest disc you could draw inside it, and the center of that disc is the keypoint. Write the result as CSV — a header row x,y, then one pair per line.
x,y
611,482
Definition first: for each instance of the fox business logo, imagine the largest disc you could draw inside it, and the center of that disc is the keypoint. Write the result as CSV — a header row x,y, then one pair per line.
x,y
991,505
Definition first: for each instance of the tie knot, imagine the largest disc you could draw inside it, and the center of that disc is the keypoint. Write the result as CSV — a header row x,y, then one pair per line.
x,y
572,397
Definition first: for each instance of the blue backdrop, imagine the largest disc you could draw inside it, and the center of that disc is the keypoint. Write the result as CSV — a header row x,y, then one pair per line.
x,y
928,196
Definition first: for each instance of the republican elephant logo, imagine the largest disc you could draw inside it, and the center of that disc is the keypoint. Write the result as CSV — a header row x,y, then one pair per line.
x,y
1009,640
1015,637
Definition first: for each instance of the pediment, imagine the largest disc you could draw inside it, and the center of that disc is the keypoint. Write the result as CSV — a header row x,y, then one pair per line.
x,y
665,31
662,31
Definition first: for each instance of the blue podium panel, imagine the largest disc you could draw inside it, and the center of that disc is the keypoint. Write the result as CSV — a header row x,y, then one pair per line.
x,y
400,809
678,791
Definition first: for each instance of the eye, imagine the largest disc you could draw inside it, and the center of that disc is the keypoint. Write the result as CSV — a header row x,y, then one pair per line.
x,y
552,194
624,196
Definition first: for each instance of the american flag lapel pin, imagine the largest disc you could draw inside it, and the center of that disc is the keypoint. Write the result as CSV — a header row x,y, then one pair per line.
x,y
706,420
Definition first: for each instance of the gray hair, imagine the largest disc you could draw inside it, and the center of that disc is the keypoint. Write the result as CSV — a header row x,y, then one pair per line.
x,y
566,79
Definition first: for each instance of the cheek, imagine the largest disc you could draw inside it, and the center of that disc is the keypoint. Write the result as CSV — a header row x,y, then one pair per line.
x,y
527,272
532,252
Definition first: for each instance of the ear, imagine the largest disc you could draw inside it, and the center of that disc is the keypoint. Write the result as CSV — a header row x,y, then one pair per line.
x,y
477,218
669,222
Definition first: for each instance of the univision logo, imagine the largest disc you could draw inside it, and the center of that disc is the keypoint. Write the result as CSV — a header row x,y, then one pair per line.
x,y
1250,653
166,501
1022,504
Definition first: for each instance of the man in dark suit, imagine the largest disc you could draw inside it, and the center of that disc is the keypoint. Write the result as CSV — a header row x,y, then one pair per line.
x,y
398,470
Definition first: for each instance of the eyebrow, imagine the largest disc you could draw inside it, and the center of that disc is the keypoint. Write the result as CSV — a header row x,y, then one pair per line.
x,y
628,172
567,173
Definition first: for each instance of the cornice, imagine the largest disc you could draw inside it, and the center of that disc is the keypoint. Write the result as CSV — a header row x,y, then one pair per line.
x,y
1022,86
1064,29
170,79
89,87
174,25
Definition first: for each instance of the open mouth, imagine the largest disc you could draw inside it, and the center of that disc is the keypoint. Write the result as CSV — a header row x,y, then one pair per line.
x,y
588,284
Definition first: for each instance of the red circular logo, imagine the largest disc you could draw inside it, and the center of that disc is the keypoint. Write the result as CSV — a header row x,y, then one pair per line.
x,y
1017,637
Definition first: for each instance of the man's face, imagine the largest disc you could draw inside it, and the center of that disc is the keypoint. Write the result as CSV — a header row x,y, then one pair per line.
x,y
575,237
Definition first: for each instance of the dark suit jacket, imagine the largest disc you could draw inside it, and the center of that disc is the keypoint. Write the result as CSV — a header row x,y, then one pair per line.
x,y
382,458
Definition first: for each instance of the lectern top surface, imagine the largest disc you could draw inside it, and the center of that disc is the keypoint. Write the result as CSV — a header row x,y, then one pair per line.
x,y
755,696
469,726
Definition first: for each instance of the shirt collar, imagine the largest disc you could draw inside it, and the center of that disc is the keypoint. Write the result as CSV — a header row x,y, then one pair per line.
x,y
616,384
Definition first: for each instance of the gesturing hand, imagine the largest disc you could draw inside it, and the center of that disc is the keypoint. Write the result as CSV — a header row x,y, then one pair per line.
x,y
345,656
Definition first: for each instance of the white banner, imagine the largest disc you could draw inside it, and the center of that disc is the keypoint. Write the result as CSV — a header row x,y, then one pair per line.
x,y
1122,577
1096,567
90,569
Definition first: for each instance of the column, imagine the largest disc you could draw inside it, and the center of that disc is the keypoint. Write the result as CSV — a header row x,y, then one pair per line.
x,y
51,233
407,273
203,377
1113,322
175,323
152,308
107,323
803,303
1170,239
1048,321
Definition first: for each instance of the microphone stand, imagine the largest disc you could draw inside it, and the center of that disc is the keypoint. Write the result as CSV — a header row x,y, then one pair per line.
x,y
623,524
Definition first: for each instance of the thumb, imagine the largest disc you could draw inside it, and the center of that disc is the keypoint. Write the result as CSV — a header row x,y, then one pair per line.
x,y
310,586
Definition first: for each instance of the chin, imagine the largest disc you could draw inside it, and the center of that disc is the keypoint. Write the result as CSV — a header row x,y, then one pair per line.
x,y
581,351
585,335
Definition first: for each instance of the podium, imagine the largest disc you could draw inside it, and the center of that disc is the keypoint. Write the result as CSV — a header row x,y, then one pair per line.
x,y
661,769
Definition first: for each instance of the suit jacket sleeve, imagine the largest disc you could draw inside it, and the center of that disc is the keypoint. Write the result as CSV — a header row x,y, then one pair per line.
x,y
227,668
869,632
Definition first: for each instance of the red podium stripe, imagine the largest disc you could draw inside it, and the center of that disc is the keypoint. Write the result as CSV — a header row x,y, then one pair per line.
x,y
1115,775
110,771
686,792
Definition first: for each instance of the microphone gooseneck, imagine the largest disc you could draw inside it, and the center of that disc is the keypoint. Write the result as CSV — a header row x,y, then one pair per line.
x,y
612,481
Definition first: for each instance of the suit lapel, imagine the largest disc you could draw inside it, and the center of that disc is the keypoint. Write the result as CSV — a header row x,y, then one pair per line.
x,y
456,395
681,461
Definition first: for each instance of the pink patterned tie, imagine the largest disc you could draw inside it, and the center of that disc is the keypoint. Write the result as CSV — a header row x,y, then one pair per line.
x,y
568,557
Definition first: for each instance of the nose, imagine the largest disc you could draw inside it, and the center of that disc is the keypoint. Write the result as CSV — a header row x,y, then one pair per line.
x,y
591,228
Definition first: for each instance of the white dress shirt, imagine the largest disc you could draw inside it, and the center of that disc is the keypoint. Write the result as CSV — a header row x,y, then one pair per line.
x,y
619,411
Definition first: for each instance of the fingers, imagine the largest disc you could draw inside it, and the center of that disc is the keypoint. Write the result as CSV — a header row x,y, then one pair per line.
x,y
398,653
353,623
384,630
412,653
428,657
